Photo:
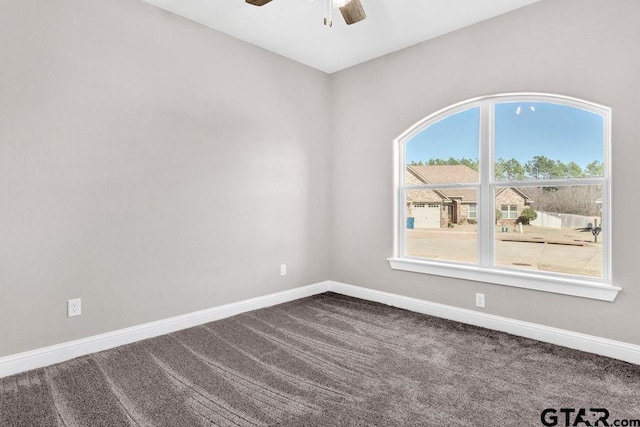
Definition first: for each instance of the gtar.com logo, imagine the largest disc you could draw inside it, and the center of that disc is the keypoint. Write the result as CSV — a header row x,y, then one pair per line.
x,y
595,417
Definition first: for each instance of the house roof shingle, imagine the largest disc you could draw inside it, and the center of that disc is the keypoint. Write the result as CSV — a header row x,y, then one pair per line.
x,y
448,174
453,174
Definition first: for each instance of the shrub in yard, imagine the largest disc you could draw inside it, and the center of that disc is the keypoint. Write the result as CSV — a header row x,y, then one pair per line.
x,y
498,215
527,215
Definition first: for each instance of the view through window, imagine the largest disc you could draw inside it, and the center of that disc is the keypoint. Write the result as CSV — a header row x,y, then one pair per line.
x,y
511,183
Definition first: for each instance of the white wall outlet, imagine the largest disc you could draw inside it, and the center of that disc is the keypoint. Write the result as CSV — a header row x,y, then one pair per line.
x,y
283,269
74,307
480,300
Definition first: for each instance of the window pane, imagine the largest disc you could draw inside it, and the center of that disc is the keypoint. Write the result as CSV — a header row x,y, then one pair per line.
x,y
541,140
439,226
508,211
560,235
447,150
473,211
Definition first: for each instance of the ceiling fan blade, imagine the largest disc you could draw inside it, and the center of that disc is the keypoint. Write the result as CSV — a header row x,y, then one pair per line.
x,y
258,2
352,12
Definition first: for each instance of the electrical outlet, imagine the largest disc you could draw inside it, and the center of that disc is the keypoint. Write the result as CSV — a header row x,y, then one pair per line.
x,y
480,300
283,269
74,307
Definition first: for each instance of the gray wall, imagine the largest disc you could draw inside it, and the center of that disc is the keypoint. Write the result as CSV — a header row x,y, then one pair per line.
x,y
154,167
585,49
151,166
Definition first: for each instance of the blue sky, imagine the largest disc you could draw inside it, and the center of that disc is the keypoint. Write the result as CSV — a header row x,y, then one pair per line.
x,y
523,130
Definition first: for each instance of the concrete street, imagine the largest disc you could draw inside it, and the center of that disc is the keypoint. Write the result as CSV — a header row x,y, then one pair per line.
x,y
542,249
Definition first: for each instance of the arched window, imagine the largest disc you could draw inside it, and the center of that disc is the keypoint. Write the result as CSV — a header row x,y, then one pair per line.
x,y
508,189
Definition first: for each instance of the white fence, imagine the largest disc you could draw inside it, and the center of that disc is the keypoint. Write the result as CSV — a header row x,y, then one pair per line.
x,y
561,220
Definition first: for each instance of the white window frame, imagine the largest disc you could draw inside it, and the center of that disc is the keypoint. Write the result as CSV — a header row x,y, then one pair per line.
x,y
485,270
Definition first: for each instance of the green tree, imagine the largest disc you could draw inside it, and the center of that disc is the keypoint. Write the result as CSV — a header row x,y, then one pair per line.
x,y
595,168
560,170
437,162
574,170
498,215
473,164
541,167
510,169
527,215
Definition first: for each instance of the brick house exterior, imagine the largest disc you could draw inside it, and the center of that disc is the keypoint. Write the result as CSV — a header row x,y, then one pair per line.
x,y
455,206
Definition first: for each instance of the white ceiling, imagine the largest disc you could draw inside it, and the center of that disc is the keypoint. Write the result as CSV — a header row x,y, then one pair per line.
x,y
294,28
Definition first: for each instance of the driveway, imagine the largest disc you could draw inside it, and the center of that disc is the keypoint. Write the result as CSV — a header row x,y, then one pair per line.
x,y
537,248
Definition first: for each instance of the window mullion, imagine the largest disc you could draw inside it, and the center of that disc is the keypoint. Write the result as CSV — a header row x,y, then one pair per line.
x,y
400,216
606,235
402,223
486,209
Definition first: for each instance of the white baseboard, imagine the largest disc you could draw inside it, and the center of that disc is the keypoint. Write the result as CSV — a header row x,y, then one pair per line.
x,y
38,358
589,343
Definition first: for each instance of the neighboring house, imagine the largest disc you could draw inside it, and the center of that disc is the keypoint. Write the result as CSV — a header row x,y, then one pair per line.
x,y
439,208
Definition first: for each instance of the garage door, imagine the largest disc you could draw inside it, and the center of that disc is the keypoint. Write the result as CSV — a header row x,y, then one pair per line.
x,y
427,215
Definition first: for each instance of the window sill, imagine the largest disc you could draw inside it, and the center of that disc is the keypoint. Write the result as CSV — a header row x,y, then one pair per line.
x,y
554,284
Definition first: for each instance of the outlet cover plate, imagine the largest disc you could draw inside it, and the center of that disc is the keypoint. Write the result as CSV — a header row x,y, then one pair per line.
x,y
74,307
480,300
